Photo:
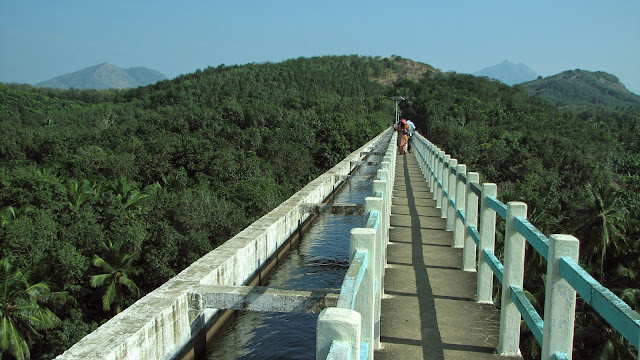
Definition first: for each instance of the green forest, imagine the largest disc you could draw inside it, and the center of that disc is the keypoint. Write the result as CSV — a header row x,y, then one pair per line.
x,y
104,195
578,171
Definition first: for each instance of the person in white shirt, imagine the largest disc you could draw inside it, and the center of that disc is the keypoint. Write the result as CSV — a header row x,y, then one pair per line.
x,y
412,130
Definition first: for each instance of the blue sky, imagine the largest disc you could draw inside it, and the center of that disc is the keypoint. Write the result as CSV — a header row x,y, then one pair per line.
x,y
43,39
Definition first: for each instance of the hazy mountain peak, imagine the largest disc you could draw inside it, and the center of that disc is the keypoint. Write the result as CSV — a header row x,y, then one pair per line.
x,y
105,76
508,72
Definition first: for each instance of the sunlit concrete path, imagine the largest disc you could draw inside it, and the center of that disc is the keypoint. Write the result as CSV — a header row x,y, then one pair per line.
x,y
428,311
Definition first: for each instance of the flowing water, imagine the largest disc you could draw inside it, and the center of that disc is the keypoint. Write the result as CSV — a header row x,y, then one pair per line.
x,y
320,261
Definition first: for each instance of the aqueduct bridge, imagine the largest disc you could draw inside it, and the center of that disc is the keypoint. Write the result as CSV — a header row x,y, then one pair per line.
x,y
419,283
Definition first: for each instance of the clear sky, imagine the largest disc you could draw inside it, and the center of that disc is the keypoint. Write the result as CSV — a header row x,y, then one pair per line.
x,y
43,39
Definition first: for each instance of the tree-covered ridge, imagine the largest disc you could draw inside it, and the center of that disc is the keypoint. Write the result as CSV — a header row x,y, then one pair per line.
x,y
403,69
19,101
578,172
577,88
105,183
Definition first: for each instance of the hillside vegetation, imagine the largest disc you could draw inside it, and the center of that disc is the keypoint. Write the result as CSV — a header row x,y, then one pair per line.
x,y
134,185
580,88
578,172
155,177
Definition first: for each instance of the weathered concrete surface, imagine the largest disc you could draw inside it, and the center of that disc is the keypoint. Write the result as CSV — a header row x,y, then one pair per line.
x,y
263,299
168,321
428,311
334,208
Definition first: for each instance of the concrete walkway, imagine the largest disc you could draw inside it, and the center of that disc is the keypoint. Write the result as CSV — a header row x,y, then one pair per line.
x,y
428,311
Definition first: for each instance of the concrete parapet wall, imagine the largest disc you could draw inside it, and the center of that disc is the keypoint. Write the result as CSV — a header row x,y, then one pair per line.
x,y
164,322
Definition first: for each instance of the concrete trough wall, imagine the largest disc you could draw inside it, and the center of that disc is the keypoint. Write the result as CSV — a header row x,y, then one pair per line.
x,y
167,322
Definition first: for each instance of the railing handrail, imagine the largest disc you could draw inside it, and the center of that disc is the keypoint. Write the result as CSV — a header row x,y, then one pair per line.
x,y
439,170
352,280
351,329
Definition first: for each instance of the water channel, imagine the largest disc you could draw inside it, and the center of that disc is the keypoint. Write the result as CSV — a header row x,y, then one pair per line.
x,y
320,261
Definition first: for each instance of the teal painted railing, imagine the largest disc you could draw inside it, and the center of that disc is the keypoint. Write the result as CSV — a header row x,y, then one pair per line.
x,y
462,200
351,330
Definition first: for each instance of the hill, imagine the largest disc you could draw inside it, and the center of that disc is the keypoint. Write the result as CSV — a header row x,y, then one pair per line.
x,y
508,72
105,76
403,69
171,169
583,88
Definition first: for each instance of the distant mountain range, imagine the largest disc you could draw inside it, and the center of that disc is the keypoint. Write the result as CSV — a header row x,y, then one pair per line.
x,y
581,87
508,72
105,76
570,88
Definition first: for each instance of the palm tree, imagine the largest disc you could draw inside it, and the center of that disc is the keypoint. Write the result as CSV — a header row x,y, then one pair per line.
x,y
604,223
126,193
79,192
48,173
21,314
118,267
10,213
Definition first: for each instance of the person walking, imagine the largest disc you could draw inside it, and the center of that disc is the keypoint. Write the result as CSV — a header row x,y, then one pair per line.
x,y
412,131
403,136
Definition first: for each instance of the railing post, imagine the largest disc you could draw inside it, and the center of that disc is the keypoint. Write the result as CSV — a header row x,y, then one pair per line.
x,y
458,225
470,219
429,157
381,186
451,186
514,245
417,151
431,165
364,239
487,242
432,169
376,204
336,324
559,300
424,150
437,195
387,191
444,178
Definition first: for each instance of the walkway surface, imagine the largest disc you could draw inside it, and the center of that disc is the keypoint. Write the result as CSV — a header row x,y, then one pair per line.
x,y
428,310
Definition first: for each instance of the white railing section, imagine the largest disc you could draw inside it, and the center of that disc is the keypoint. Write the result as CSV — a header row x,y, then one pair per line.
x,y
351,330
463,201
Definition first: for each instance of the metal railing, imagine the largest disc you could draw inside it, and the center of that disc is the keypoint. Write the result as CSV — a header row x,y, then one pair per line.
x,y
351,330
463,201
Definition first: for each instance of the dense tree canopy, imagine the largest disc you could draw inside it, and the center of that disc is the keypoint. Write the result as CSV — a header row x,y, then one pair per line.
x,y
578,171
110,182
152,178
